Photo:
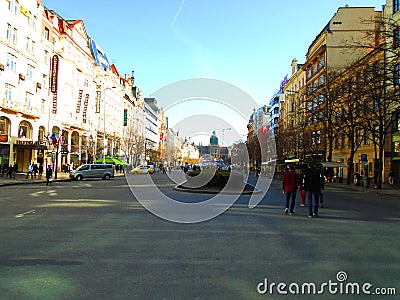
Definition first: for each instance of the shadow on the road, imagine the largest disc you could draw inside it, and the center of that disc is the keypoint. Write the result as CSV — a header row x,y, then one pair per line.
x,y
37,262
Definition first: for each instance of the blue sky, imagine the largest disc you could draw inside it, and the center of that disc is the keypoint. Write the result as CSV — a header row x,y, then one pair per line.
x,y
249,44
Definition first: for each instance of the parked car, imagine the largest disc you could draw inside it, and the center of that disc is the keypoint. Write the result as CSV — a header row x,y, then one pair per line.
x,y
104,171
142,170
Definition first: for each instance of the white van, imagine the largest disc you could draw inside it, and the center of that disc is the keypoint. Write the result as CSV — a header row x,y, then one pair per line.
x,y
104,171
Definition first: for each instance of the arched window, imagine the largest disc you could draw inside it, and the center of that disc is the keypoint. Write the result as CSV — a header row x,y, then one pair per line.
x,y
25,130
41,134
75,142
5,125
56,131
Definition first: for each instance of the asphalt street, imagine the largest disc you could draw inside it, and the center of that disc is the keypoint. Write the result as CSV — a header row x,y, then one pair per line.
x,y
93,240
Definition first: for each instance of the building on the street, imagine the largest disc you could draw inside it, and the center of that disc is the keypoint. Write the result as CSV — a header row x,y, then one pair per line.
x,y
63,103
20,81
152,137
291,117
334,49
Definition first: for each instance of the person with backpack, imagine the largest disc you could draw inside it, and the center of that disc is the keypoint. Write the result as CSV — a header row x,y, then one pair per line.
x,y
313,186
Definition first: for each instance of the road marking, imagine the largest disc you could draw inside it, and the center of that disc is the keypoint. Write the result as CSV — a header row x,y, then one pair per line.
x,y
33,211
39,193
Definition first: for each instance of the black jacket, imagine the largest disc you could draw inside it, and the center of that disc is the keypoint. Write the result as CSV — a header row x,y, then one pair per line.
x,y
313,181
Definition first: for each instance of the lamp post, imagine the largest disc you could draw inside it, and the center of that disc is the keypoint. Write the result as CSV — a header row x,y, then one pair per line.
x,y
104,123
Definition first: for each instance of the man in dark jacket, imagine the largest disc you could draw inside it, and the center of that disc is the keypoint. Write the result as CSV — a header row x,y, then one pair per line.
x,y
49,173
313,184
290,184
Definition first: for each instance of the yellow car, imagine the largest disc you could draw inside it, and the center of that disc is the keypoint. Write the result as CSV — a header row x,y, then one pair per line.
x,y
142,170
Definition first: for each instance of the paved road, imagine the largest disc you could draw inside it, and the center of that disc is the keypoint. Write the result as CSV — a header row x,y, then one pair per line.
x,y
93,240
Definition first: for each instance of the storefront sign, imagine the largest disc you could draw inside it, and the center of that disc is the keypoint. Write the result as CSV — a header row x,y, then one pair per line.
x,y
3,138
31,145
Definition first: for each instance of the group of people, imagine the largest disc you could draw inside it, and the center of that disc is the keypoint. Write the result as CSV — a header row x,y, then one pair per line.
x,y
34,170
310,183
37,170
9,171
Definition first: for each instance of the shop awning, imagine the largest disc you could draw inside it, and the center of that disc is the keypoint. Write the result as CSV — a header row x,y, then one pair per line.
x,y
111,160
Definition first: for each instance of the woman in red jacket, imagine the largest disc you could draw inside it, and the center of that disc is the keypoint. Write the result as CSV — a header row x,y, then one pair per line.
x,y
290,183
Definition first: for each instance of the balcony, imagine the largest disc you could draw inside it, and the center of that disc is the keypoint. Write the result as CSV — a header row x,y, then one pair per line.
x,y
19,107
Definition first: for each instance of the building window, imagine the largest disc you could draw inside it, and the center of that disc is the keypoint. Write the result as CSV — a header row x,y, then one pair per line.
x,y
29,72
43,106
28,99
41,134
29,19
46,34
34,21
321,80
366,137
24,130
315,68
13,6
396,6
4,126
308,74
46,57
397,74
9,91
321,63
45,81
16,6
14,36
396,38
33,48
11,62
8,33
28,43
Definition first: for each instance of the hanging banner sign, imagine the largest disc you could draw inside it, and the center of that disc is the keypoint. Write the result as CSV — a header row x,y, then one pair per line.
x,y
98,99
85,105
54,81
78,105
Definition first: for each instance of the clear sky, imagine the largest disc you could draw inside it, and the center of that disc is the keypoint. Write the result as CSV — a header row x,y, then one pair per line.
x,y
249,44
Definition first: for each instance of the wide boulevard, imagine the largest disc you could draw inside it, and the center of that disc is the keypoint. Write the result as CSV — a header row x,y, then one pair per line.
x,y
93,240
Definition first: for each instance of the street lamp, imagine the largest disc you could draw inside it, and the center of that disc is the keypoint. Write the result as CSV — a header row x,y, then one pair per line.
x,y
104,123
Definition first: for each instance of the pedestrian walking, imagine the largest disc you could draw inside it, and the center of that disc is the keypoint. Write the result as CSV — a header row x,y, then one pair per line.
x,y
391,177
15,169
35,169
4,170
49,173
10,171
302,191
40,170
290,183
313,186
30,171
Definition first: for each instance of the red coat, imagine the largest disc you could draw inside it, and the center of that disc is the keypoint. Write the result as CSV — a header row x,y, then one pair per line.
x,y
290,181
